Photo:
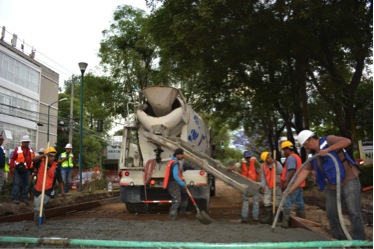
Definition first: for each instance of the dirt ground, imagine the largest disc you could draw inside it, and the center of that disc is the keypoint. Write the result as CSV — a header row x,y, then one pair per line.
x,y
225,228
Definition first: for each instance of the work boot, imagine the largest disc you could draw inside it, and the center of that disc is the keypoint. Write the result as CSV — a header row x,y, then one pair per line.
x,y
183,208
185,212
286,218
269,216
172,215
300,212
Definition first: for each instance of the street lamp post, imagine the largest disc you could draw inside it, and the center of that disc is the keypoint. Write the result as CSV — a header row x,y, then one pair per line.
x,y
49,108
82,67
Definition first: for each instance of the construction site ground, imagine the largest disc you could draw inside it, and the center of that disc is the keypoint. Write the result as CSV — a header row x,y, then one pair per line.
x,y
113,222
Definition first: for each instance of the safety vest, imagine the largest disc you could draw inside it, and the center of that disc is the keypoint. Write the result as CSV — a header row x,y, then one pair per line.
x,y
328,166
249,172
50,176
69,162
298,165
269,175
21,157
168,173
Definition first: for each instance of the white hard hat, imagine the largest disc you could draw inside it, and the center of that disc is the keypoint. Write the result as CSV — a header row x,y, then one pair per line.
x,y
304,135
68,146
41,150
25,138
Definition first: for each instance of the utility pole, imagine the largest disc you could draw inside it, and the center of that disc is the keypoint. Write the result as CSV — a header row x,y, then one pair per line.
x,y
71,114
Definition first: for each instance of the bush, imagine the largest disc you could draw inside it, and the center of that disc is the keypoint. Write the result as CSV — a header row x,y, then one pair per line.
x,y
366,175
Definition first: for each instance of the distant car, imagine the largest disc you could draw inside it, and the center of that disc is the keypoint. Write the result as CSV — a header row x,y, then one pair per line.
x,y
86,177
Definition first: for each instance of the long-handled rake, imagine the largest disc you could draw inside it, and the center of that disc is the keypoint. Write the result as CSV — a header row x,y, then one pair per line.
x,y
40,220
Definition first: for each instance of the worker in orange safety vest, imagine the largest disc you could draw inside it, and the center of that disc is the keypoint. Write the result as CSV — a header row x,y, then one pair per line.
x,y
49,180
21,164
174,183
291,165
267,184
251,169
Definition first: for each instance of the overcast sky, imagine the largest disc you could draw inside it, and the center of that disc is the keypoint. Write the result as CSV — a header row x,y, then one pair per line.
x,y
63,33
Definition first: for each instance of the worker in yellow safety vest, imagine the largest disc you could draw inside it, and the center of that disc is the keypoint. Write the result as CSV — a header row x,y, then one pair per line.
x,y
66,160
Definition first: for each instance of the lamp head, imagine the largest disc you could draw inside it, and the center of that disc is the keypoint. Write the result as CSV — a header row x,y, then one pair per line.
x,y
82,66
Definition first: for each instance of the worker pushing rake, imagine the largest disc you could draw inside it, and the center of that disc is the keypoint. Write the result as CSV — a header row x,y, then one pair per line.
x,y
44,183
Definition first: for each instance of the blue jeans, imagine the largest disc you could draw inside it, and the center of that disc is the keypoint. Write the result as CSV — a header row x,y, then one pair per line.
x,y
351,195
66,174
255,209
295,197
21,180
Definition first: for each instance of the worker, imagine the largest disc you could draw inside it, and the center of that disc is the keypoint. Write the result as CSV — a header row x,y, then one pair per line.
x,y
34,173
50,175
291,165
249,168
174,183
21,163
66,160
267,184
325,168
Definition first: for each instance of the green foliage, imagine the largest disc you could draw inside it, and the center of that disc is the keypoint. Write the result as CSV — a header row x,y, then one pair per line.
x,y
92,152
97,105
255,63
229,156
273,68
127,50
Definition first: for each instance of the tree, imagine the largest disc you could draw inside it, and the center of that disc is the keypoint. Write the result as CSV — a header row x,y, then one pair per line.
x,y
98,105
287,55
128,54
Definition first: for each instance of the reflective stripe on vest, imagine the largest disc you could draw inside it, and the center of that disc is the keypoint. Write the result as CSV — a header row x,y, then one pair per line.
x,y
249,172
69,162
168,173
298,165
21,157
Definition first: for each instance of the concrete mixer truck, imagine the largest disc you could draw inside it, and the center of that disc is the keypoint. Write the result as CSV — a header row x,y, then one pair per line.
x,y
160,122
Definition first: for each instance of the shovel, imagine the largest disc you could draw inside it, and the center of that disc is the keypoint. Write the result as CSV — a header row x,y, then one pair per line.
x,y
201,215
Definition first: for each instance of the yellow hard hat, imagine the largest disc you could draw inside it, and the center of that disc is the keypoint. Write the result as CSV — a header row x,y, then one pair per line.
x,y
50,150
264,155
286,144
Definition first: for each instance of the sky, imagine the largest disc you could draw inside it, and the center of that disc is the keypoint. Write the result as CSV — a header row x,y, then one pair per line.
x,y
63,33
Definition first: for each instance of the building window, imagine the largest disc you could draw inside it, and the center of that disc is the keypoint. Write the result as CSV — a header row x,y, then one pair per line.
x,y
19,73
17,105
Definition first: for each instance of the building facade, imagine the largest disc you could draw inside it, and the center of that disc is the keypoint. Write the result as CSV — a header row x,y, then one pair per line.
x,y
27,88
